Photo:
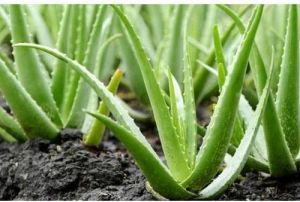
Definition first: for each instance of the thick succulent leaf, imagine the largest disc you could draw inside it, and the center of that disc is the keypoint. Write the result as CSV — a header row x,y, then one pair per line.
x,y
63,81
58,85
11,126
6,136
112,102
128,128
131,66
189,102
281,163
287,101
42,33
109,58
237,162
8,61
95,133
174,50
174,156
83,94
246,114
53,15
202,75
4,16
31,117
29,68
251,163
177,109
161,180
138,116
222,72
79,56
155,18
105,41
259,148
218,48
133,14
217,139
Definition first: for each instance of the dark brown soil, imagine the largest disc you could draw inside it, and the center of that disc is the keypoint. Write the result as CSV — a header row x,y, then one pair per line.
x,y
40,170
257,187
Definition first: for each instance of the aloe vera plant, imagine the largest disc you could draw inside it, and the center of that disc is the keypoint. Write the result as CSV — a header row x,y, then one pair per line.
x,y
188,169
52,101
281,118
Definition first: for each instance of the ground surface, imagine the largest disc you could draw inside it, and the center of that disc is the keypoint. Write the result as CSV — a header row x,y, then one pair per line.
x,y
39,170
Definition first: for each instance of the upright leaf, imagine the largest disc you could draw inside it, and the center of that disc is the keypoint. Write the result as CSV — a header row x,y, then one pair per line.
x,y
59,73
11,126
240,157
79,56
189,102
33,120
131,66
29,67
175,158
217,138
76,116
287,102
281,163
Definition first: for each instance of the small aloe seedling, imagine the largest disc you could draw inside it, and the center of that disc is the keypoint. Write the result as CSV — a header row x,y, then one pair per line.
x,y
187,171
94,135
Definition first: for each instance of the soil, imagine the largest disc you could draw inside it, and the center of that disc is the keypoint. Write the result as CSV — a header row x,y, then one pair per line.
x,y
66,170
40,170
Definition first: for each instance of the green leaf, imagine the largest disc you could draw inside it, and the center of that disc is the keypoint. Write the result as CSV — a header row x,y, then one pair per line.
x,y
6,136
127,128
42,33
252,162
218,47
174,156
76,117
287,102
58,85
31,117
79,56
219,131
8,62
240,157
131,66
95,134
29,68
189,102
11,126
174,51
177,110
161,180
4,16
201,76
281,163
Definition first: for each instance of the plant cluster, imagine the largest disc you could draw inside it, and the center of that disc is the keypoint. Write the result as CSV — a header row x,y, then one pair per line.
x,y
171,66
